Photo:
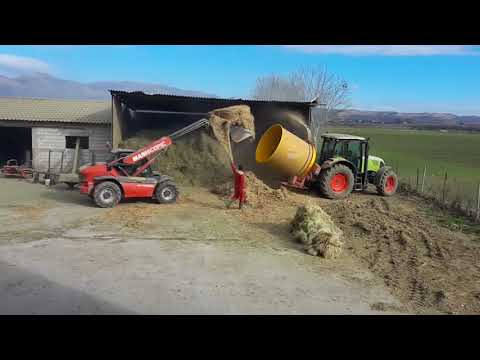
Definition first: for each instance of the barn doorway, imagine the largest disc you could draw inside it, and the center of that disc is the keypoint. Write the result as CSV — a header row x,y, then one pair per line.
x,y
15,143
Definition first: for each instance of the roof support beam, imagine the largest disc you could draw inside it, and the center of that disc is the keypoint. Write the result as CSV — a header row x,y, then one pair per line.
x,y
171,112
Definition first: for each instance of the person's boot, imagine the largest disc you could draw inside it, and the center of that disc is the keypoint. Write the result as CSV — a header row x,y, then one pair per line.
x,y
228,203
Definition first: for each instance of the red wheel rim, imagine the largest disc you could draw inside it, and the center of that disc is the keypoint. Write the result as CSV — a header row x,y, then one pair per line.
x,y
390,184
339,183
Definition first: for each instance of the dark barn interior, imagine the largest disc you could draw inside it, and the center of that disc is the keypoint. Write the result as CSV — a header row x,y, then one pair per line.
x,y
15,143
167,113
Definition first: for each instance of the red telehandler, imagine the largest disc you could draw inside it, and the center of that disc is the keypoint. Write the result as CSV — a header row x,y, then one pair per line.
x,y
127,173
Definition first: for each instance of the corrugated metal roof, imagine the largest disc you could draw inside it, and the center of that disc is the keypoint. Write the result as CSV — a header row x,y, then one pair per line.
x,y
343,136
49,110
216,99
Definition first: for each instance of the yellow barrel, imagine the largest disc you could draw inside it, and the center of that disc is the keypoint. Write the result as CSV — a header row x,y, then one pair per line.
x,y
285,152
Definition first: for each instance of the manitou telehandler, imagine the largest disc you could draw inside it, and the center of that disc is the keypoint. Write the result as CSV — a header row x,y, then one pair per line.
x,y
127,173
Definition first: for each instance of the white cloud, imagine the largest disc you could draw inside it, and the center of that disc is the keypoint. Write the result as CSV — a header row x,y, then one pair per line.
x,y
22,64
387,50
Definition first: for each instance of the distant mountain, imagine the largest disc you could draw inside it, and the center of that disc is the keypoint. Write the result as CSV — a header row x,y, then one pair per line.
x,y
46,86
406,119
41,85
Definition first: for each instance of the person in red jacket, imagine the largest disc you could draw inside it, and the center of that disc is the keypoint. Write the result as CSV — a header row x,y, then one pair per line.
x,y
240,193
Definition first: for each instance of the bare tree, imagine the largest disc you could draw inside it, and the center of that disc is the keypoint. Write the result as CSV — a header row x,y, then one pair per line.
x,y
275,87
307,84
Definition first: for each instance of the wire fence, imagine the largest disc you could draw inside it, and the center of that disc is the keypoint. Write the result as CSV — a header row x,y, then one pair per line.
x,y
457,194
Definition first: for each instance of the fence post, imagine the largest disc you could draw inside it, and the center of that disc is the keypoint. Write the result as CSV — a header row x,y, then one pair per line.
x,y
444,187
477,215
423,178
418,178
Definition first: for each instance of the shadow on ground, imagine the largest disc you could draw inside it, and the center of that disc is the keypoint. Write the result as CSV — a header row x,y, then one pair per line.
x,y
281,234
64,195
24,293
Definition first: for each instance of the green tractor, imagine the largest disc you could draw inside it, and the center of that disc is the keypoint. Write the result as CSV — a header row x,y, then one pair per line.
x,y
346,166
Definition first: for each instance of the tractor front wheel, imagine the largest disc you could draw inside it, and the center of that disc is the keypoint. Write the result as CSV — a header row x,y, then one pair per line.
x,y
336,182
387,182
107,194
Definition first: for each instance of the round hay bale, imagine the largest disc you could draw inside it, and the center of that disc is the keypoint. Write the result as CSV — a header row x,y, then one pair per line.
x,y
315,229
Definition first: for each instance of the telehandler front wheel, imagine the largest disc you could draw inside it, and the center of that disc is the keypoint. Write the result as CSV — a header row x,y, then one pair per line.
x,y
336,182
166,193
387,182
107,194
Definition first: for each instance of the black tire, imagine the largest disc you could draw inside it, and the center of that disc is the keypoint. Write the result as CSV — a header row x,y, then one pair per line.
x,y
326,178
70,185
387,182
107,194
166,193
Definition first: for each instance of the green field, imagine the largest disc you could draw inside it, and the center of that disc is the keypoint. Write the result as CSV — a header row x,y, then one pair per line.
x,y
458,153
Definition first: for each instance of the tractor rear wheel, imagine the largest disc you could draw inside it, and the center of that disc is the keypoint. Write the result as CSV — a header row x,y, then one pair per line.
x,y
107,194
387,182
166,193
336,182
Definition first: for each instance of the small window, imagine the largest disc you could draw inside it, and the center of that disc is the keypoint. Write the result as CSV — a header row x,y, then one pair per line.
x,y
354,149
71,142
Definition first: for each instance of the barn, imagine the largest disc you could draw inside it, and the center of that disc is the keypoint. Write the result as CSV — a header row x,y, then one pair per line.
x,y
32,130
136,111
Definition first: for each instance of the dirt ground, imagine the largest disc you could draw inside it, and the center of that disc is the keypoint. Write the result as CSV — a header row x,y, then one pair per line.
x,y
429,268
61,254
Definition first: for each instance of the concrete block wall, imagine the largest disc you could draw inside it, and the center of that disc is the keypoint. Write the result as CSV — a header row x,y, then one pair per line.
x,y
50,138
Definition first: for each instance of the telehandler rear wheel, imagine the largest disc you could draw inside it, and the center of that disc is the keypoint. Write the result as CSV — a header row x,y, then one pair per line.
x,y
70,185
166,193
107,194
336,182
387,182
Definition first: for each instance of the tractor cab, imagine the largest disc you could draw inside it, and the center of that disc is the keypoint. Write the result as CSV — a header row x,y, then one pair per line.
x,y
352,148
346,166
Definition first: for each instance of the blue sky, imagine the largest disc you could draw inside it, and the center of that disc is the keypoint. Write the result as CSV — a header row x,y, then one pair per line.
x,y
398,78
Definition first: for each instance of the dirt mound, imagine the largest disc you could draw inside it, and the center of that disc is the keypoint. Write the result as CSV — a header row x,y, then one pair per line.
x,y
259,195
315,229
201,158
425,265
197,159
